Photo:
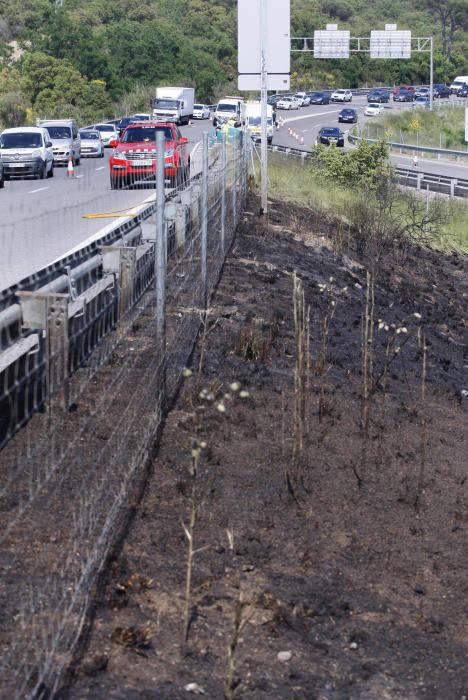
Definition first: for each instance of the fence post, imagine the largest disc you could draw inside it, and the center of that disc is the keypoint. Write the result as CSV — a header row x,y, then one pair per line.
x,y
204,223
223,193
234,185
160,265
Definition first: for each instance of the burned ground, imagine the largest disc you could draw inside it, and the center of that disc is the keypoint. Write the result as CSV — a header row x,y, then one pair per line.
x,y
349,562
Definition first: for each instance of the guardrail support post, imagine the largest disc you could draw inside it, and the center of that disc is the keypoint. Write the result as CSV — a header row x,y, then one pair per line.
x,y
419,180
453,184
121,262
49,312
204,224
160,268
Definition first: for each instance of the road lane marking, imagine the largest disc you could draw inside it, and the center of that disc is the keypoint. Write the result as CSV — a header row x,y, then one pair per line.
x,y
39,189
77,177
101,168
311,116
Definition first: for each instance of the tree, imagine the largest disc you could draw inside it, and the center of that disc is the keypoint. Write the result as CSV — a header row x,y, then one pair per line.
x,y
13,109
452,15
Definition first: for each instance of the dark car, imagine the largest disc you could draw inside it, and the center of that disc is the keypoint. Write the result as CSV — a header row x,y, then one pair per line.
x,y
441,90
403,96
329,135
123,123
319,98
378,95
348,115
463,91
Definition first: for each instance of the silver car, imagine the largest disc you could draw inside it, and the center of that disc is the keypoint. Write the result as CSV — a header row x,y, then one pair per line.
x,y
91,143
65,140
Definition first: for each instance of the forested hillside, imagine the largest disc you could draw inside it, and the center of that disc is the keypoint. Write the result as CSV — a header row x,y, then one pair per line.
x,y
96,58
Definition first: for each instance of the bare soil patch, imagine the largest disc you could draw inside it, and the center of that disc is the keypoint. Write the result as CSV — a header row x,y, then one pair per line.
x,y
351,581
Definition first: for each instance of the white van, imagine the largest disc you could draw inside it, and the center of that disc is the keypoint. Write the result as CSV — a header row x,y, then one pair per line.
x,y
26,150
230,108
458,83
253,121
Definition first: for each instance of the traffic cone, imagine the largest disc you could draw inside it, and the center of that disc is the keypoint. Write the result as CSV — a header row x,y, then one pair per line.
x,y
70,167
415,161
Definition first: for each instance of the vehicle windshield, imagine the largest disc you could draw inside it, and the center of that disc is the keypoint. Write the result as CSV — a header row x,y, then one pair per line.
x,y
256,121
23,139
318,94
198,106
89,135
331,132
142,134
166,104
225,107
59,132
340,92
374,105
104,127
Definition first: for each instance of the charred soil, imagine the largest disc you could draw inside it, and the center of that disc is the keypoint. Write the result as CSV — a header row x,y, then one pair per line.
x,y
337,574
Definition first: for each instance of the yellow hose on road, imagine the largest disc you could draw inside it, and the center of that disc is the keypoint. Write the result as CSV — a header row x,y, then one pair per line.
x,y
115,214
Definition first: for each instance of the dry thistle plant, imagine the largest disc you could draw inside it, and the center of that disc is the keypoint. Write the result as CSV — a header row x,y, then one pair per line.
x,y
239,622
422,410
367,351
321,362
301,313
209,403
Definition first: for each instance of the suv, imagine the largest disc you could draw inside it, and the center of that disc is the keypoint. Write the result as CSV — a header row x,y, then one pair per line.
x,y
65,139
134,157
342,96
26,150
441,90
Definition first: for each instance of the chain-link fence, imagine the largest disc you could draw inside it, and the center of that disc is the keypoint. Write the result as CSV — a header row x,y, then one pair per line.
x,y
86,372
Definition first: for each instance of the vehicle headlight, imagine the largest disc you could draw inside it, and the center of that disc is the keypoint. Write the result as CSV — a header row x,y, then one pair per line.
x,y
118,155
169,152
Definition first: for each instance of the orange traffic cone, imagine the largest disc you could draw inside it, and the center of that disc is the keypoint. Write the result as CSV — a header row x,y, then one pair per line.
x,y
70,167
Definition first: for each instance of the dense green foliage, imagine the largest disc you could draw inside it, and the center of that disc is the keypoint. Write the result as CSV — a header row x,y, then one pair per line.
x,y
361,167
95,57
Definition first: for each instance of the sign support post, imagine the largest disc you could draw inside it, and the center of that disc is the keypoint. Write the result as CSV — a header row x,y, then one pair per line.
x,y
263,109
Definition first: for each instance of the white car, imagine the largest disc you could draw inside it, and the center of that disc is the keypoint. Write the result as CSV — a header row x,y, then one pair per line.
x,y
26,151
91,143
373,109
303,98
342,96
108,132
289,102
201,111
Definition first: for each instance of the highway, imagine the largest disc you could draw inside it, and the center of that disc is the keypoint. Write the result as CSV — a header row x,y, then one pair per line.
x,y
41,220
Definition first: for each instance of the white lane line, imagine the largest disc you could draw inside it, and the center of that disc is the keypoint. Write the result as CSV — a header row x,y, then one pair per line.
x,y
311,116
77,177
101,168
39,189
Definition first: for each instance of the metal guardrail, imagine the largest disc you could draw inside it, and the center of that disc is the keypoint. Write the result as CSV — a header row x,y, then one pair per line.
x,y
444,184
413,147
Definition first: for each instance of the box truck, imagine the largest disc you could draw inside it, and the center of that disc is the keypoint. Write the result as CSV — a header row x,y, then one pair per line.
x,y
253,121
174,104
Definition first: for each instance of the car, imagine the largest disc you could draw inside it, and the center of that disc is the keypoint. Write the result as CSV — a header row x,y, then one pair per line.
x,y
421,101
26,151
303,98
289,102
274,99
65,139
463,91
348,115
201,111
440,90
329,135
108,132
422,92
319,98
403,96
134,156
140,118
378,95
342,96
373,109
91,143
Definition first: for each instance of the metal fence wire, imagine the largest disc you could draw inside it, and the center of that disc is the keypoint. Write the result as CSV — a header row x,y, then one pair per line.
x,y
85,376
